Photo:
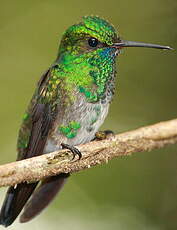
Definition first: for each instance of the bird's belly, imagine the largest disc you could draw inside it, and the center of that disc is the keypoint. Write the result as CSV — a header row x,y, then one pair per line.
x,y
78,125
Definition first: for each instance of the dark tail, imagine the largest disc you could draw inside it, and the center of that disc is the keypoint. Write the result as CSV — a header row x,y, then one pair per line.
x,y
14,202
43,196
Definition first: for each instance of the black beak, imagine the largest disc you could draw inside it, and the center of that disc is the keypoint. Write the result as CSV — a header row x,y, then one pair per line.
x,y
124,43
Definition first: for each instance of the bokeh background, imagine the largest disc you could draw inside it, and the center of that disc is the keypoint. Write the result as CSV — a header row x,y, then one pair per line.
x,y
137,192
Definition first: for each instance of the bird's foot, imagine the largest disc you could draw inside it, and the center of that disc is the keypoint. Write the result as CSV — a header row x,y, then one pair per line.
x,y
73,149
102,135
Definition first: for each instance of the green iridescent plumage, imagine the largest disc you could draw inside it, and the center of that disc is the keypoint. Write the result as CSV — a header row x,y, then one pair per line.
x,y
70,131
94,26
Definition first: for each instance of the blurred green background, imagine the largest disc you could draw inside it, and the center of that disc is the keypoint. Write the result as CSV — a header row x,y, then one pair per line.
x,y
137,192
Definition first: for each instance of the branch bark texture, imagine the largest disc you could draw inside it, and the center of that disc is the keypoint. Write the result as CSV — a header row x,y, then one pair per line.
x,y
93,153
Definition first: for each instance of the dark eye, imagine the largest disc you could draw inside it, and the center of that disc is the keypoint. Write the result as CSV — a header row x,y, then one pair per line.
x,y
93,42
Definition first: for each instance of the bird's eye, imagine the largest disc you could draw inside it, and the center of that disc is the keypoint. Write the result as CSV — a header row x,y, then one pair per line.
x,y
93,42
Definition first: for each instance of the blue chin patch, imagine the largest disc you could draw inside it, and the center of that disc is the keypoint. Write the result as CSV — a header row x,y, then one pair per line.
x,y
109,52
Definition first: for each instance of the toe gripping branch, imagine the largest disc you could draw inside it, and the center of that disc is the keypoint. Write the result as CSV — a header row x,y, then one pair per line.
x,y
100,135
73,149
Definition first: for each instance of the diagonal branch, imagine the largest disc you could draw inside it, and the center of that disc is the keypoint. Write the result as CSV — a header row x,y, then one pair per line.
x,y
93,153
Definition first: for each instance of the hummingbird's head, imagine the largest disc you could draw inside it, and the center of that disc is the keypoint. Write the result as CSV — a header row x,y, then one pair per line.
x,y
92,34
95,33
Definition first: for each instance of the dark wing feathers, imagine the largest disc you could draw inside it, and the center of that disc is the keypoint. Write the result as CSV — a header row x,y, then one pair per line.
x,y
41,123
16,197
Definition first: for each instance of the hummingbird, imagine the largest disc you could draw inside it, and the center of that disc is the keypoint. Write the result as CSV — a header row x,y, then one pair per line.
x,y
70,103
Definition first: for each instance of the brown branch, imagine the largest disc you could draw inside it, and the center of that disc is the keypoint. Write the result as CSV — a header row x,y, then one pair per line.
x,y
94,153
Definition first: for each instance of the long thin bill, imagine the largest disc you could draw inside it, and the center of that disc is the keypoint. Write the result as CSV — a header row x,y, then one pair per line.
x,y
124,43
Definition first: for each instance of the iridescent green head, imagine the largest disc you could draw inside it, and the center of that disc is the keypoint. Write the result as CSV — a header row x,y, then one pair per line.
x,y
95,33
87,36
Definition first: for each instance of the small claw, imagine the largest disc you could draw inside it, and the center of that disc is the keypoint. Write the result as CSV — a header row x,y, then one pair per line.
x,y
73,149
101,135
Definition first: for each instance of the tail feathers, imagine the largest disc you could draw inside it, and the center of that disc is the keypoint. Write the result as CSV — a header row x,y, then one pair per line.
x,y
14,202
44,194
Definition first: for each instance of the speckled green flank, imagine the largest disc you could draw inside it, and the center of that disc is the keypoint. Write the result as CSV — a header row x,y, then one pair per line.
x,y
70,130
